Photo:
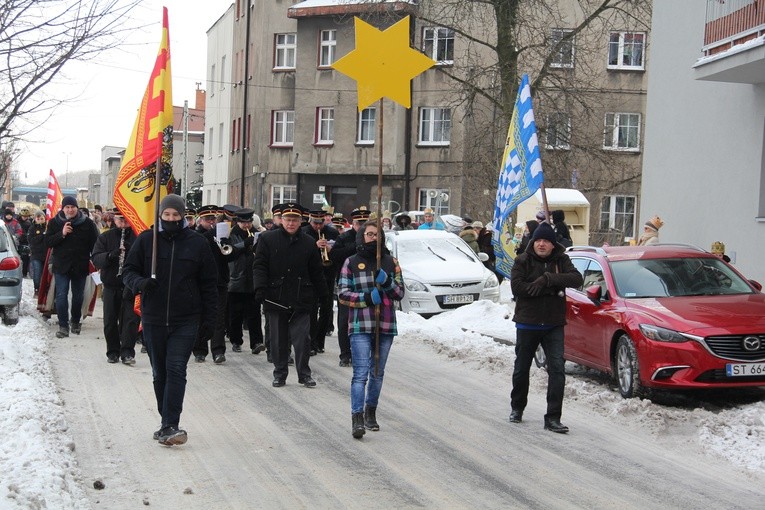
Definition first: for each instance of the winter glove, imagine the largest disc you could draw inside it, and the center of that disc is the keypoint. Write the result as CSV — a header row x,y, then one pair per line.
x,y
260,296
147,285
372,298
248,242
382,277
114,254
537,286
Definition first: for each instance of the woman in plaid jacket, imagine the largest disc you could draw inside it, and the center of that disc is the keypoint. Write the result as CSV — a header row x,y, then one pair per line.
x,y
362,288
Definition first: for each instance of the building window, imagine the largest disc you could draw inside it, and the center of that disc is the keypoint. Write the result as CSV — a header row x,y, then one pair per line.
x,y
558,131
281,194
286,46
210,85
622,131
223,72
563,55
438,44
435,126
434,198
283,128
221,139
210,144
626,50
618,212
367,126
325,126
327,46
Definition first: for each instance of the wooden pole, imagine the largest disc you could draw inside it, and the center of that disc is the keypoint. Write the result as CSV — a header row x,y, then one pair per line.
x,y
546,208
379,235
155,229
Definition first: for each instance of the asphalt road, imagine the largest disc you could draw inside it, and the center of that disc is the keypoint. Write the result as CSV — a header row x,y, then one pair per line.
x,y
445,441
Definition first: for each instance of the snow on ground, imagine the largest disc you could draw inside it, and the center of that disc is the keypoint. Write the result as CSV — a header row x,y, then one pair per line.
x,y
38,467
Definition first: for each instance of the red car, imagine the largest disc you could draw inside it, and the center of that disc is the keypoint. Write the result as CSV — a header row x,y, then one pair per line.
x,y
665,316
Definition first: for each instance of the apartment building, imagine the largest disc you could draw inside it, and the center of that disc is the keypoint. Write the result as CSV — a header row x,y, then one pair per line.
x,y
704,169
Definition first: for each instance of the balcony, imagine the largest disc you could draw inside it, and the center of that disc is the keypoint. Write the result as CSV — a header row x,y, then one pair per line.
x,y
734,42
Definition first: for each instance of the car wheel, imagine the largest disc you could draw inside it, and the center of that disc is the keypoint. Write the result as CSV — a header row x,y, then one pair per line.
x,y
540,358
11,315
627,369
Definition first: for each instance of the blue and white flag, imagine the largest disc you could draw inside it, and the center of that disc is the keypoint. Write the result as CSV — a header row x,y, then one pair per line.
x,y
520,175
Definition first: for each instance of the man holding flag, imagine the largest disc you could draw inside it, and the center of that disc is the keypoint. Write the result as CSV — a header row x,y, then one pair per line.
x,y
539,275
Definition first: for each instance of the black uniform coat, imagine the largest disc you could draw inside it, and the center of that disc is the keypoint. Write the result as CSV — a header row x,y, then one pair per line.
x,y
36,238
548,308
345,246
71,253
242,258
221,261
106,254
329,233
288,267
186,280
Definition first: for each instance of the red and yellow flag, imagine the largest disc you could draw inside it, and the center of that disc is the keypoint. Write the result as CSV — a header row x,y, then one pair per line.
x,y
55,196
152,138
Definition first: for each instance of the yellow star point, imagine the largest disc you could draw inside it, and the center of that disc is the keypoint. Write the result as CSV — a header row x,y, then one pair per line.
x,y
383,64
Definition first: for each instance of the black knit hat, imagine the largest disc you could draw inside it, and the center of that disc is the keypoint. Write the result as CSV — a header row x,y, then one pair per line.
x,y
544,231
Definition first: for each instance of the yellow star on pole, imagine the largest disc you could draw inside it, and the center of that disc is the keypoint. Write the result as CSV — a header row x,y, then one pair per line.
x,y
383,64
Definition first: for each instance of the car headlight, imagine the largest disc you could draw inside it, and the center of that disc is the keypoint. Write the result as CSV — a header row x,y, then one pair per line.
x,y
491,282
662,334
415,286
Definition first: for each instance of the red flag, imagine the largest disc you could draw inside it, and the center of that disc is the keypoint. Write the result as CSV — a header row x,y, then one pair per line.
x,y
55,196
151,138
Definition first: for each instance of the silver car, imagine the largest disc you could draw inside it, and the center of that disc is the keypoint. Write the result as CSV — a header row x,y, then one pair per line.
x,y
440,271
10,277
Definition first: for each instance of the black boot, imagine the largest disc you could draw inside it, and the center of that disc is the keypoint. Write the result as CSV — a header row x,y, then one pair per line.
x,y
370,420
358,425
554,425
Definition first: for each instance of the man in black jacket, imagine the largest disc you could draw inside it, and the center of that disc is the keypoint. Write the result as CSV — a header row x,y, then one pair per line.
x,y
206,226
345,246
180,298
539,278
241,291
71,235
120,321
321,316
288,279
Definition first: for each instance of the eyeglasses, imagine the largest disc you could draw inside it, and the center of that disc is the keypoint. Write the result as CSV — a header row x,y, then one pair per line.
x,y
370,234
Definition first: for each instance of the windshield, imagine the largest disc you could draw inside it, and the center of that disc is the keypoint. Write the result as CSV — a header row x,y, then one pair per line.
x,y
676,277
433,249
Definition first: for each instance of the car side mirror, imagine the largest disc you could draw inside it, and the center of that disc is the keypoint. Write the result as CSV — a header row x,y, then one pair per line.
x,y
594,292
757,285
483,257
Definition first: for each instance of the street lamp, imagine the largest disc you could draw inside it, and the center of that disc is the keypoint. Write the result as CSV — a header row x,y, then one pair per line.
x,y
66,173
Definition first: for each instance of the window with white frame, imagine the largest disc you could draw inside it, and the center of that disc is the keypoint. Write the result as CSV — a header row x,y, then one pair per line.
x,y
563,53
282,194
223,72
221,139
283,128
434,198
367,125
284,51
325,126
618,212
327,46
210,144
622,131
435,126
210,86
558,133
626,50
438,44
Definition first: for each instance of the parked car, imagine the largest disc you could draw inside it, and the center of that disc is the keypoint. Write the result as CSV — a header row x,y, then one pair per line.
x,y
665,316
440,271
10,277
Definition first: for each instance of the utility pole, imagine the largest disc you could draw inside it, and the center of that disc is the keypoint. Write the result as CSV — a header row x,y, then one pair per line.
x,y
66,173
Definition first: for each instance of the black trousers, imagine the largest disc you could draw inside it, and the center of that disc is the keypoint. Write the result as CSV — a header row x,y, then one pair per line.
x,y
242,307
218,340
120,321
343,340
289,329
321,319
527,341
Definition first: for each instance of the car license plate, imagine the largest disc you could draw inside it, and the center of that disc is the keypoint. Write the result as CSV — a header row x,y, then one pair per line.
x,y
744,369
458,299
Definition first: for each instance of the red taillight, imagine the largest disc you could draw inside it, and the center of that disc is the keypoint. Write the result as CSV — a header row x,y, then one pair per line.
x,y
9,263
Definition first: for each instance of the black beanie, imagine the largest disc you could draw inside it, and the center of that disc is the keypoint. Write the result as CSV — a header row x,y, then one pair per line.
x,y
173,202
544,231
68,200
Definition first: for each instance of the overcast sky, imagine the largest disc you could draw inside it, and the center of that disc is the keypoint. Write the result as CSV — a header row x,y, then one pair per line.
x,y
110,90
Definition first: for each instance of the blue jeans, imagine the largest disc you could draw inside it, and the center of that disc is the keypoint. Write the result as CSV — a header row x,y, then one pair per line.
x,y
169,349
36,267
527,341
362,353
63,282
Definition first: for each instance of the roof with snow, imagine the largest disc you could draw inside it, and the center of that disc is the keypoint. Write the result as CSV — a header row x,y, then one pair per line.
x,y
563,196
332,7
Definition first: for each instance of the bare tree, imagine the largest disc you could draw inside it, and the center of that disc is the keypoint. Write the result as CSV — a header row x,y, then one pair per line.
x,y
38,38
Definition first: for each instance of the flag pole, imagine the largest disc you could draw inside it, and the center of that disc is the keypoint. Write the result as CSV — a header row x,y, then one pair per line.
x,y
546,208
155,229
379,237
